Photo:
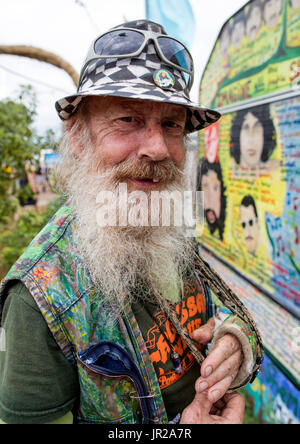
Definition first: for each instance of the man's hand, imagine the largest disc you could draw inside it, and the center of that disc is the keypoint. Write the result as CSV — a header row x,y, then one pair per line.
x,y
228,410
221,367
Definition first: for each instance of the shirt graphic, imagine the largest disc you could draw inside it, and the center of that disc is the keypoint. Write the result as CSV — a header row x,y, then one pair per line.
x,y
191,313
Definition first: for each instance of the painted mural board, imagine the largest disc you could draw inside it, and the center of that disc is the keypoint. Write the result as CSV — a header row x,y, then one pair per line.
x,y
274,394
249,170
250,159
252,196
256,54
275,399
279,329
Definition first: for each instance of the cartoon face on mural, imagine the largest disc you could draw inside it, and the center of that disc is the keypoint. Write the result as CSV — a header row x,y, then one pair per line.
x,y
253,138
295,4
271,12
249,222
211,183
238,30
253,20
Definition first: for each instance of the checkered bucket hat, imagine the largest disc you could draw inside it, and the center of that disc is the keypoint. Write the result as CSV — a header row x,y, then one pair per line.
x,y
134,78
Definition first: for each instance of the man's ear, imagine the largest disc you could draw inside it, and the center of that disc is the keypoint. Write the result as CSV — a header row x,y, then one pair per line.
x,y
75,128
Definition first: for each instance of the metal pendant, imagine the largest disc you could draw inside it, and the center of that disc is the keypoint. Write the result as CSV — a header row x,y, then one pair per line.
x,y
176,362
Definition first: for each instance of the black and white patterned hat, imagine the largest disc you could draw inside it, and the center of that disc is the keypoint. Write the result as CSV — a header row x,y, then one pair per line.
x,y
134,78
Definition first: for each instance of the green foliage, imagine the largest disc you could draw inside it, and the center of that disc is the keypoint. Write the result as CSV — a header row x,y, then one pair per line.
x,y
19,146
49,140
20,149
14,240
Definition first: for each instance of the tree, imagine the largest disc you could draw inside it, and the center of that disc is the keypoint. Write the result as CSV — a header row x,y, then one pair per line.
x,y
19,146
14,240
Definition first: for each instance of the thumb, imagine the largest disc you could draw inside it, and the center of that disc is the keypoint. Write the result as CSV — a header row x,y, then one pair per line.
x,y
205,333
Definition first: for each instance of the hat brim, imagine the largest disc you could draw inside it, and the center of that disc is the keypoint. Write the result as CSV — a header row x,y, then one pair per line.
x,y
198,117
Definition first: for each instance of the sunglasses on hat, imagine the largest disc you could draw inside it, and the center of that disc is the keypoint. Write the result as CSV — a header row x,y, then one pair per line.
x,y
128,42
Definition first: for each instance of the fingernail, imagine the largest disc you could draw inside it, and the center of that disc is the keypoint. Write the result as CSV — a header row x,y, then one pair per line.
x,y
208,371
215,395
203,386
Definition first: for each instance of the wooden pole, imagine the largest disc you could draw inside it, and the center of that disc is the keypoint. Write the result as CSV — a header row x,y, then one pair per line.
x,y
41,55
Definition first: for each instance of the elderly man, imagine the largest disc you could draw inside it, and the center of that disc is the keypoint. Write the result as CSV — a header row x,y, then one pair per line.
x,y
105,324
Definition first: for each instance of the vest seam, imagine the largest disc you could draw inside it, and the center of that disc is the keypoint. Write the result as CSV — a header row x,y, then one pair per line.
x,y
63,229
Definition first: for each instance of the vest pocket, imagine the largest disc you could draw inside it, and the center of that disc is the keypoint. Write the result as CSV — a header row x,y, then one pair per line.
x,y
117,377
105,399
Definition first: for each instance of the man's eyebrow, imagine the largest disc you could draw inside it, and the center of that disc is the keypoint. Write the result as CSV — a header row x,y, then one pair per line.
x,y
129,106
174,113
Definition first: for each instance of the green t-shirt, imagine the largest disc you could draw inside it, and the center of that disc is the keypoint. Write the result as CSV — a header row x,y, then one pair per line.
x,y
178,390
38,384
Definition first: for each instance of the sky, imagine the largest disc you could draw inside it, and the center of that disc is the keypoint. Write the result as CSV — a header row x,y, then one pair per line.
x,y
67,28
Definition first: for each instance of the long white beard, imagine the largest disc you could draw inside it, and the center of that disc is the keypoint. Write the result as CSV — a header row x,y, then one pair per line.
x,y
120,258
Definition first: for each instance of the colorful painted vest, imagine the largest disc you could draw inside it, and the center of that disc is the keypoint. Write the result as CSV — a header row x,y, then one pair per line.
x,y
118,383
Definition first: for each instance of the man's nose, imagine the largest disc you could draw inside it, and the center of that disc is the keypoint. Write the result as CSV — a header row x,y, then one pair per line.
x,y
153,145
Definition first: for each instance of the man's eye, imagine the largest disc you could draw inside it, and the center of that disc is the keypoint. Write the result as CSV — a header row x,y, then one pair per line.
x,y
173,125
128,119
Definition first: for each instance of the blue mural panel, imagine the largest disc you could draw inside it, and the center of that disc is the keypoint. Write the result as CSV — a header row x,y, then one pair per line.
x,y
276,399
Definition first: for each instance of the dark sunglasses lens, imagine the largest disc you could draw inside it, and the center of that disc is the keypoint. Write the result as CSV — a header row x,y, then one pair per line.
x,y
175,53
119,42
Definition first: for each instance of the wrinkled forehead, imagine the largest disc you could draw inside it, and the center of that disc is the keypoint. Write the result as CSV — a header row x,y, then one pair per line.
x,y
104,105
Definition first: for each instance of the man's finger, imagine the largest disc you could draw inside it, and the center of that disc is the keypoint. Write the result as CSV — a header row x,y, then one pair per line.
x,y
234,410
204,402
224,348
219,390
204,334
228,368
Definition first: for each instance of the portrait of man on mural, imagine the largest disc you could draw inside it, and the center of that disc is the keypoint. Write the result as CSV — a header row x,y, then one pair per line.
x,y
249,223
254,17
253,139
225,40
238,30
271,12
295,4
110,324
210,181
